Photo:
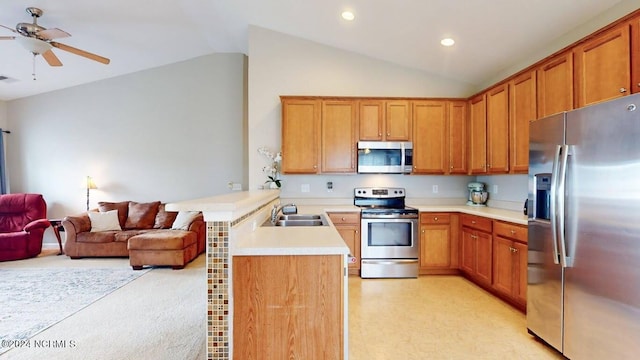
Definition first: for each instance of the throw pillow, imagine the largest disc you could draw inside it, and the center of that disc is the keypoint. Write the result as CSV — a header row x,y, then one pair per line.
x,y
122,207
141,215
184,219
164,219
104,221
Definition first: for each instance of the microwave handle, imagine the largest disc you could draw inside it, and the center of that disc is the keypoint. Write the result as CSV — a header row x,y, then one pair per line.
x,y
402,157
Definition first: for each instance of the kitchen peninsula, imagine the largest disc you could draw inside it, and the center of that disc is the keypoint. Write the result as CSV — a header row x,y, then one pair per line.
x,y
259,277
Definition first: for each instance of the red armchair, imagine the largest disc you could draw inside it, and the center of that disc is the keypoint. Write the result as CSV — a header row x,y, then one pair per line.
x,y
23,220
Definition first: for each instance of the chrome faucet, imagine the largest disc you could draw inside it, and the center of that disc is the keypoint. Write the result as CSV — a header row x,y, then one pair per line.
x,y
276,210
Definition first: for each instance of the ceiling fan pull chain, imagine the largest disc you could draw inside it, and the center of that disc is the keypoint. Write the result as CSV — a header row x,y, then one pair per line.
x,y
34,66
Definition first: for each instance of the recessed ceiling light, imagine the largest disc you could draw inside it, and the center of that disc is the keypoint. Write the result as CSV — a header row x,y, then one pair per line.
x,y
447,42
348,15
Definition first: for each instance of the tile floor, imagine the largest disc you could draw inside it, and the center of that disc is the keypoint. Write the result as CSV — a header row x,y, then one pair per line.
x,y
435,317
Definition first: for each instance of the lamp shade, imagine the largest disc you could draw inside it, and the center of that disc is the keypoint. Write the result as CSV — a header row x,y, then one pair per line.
x,y
90,183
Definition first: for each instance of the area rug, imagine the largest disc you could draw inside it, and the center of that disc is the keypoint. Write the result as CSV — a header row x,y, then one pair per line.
x,y
31,300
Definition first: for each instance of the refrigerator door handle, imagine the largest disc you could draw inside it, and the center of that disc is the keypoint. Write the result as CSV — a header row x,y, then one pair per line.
x,y
553,204
560,210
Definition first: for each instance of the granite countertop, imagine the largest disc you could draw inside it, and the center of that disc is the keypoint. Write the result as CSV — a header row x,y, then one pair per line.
x,y
516,217
319,240
295,240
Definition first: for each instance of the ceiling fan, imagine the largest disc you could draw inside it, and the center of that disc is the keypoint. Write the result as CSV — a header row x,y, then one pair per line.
x,y
39,40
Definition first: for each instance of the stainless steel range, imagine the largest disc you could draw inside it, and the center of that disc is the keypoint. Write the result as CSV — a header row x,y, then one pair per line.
x,y
389,247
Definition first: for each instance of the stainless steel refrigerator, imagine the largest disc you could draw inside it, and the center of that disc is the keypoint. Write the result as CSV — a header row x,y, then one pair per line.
x,y
583,293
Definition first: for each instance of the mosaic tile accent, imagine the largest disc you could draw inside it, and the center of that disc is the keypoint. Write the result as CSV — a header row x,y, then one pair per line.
x,y
218,290
218,283
244,217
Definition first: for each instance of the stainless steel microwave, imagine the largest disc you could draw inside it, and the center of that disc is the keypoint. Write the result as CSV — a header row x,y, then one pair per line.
x,y
385,157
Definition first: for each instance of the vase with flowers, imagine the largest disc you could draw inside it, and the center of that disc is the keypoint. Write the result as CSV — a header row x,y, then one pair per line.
x,y
272,170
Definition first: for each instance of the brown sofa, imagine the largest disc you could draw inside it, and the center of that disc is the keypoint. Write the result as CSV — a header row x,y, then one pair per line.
x,y
146,236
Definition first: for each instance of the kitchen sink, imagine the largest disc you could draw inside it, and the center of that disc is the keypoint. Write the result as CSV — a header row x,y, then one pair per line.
x,y
300,217
298,220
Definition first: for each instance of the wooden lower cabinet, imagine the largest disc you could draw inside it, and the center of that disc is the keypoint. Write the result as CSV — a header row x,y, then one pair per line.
x,y
438,243
288,307
348,225
476,248
510,261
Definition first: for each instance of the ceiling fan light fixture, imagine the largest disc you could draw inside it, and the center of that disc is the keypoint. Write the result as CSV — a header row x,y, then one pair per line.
x,y
35,46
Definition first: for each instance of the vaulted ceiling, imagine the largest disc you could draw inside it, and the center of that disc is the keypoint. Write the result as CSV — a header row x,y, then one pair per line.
x,y
491,35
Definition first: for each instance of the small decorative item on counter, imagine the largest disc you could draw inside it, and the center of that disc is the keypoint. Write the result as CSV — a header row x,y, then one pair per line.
x,y
273,169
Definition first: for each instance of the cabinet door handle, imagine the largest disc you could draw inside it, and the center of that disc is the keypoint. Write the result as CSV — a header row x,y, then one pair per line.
x,y
435,218
343,219
423,231
379,134
473,221
315,166
513,232
623,90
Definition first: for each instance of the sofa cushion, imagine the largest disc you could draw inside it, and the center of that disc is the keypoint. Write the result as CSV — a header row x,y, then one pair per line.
x,y
96,237
162,240
125,235
122,207
164,219
104,221
141,215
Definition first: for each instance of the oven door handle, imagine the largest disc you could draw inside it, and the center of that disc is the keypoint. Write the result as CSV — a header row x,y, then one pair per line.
x,y
394,216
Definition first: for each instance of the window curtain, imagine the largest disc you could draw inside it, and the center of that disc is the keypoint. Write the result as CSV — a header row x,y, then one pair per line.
x,y
3,172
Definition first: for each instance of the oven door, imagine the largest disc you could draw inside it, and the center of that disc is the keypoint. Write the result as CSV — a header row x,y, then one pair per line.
x,y
389,239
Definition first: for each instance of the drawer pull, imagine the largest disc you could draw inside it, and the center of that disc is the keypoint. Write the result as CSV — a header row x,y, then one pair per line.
x,y
343,219
435,218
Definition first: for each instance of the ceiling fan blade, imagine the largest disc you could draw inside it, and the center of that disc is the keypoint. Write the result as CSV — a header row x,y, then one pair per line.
x,y
51,58
7,37
8,28
50,34
82,53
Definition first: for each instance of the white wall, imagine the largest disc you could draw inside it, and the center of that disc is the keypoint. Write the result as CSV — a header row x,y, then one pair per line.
x,y
3,114
280,64
171,133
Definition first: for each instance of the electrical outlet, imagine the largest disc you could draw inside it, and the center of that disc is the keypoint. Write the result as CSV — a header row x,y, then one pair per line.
x,y
329,186
495,189
305,188
434,189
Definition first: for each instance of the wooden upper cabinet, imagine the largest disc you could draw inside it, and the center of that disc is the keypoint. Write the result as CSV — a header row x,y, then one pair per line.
x,y
478,135
498,129
338,136
429,137
384,120
397,120
371,119
603,66
457,136
522,110
635,54
555,85
300,136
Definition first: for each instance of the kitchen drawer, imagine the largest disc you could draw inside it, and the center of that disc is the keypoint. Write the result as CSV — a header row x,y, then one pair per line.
x,y
352,218
434,218
477,222
511,231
